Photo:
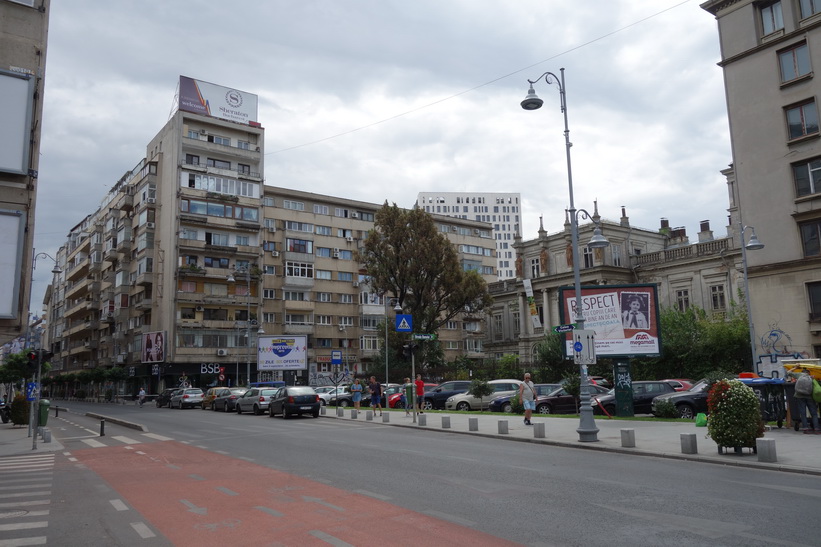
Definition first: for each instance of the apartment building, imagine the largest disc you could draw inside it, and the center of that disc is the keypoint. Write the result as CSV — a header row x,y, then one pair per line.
x,y
768,53
503,210
23,44
190,257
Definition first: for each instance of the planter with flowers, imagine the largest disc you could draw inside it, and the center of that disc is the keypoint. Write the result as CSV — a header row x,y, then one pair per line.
x,y
735,416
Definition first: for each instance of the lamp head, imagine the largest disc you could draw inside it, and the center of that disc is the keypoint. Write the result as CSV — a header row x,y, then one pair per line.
x,y
397,308
532,101
598,241
231,278
754,244
56,270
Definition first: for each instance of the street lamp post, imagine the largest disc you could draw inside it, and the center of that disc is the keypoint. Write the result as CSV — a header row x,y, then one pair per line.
x,y
232,279
753,245
397,309
36,406
587,430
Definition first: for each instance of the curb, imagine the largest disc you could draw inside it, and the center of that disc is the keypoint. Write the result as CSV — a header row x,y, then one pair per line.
x,y
118,421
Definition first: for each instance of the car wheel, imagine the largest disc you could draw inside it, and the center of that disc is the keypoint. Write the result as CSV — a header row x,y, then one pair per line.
x,y
257,411
284,414
239,409
544,409
686,411
322,402
315,414
270,411
225,406
507,407
463,406
344,404
158,404
213,407
427,404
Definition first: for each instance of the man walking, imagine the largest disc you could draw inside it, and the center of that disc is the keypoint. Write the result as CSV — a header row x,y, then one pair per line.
x,y
141,396
376,395
527,395
803,397
420,392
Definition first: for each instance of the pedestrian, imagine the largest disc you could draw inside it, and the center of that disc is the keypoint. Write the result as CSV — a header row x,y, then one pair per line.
x,y
356,393
527,395
420,392
804,400
376,395
407,396
141,396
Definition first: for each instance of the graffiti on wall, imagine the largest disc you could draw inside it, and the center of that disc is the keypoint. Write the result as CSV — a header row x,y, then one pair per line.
x,y
777,345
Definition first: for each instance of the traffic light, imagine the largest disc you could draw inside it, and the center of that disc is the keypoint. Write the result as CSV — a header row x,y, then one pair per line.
x,y
31,360
408,349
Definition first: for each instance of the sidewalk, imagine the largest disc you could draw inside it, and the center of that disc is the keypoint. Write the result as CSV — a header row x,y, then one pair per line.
x,y
16,441
795,451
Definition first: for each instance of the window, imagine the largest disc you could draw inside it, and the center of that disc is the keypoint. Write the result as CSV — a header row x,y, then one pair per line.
x,y
323,297
814,294
345,255
323,274
215,314
188,286
297,319
269,270
299,269
810,237
321,209
794,62
802,120
269,246
807,177
588,257
299,226
719,301
243,240
323,230
188,233
346,299
370,322
297,296
244,145
244,169
323,343
216,139
269,202
191,159
535,268
810,7
324,320
299,245
683,299
269,317
269,294
293,205
615,251
241,290
187,313
771,19
214,262
369,343
213,238
346,321
323,251
344,276
220,164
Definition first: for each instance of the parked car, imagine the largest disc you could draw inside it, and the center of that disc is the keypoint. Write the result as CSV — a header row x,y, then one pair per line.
x,y
466,401
343,397
227,397
688,403
643,394
294,400
681,384
325,393
210,395
561,402
435,398
187,397
600,381
164,398
255,400
503,403
393,399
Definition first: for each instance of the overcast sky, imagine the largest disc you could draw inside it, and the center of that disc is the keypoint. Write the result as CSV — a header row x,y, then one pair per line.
x,y
380,99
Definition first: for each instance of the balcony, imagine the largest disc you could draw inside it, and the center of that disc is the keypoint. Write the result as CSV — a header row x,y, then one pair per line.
x,y
145,279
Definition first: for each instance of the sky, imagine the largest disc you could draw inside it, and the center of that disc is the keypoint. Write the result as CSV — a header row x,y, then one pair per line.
x,y
378,100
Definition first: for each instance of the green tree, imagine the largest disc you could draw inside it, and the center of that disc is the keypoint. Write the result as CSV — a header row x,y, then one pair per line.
x,y
480,388
405,255
549,358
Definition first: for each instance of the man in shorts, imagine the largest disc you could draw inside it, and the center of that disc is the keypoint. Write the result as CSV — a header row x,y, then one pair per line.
x,y
527,394
376,395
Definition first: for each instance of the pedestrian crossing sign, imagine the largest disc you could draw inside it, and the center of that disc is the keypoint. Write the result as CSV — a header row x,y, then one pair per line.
x,y
404,323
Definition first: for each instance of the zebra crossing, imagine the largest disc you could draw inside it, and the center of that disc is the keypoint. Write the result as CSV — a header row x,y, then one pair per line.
x,y
25,499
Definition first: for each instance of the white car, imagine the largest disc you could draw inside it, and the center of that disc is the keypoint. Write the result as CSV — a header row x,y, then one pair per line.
x,y
325,393
466,401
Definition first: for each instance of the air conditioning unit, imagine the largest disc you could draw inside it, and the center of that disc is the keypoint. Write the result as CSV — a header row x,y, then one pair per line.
x,y
336,253
275,253
150,200
454,228
222,352
349,239
476,232
149,225
202,132
356,283
199,308
272,229
354,215
257,148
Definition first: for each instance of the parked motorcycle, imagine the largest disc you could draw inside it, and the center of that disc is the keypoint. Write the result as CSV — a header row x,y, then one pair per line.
x,y
5,412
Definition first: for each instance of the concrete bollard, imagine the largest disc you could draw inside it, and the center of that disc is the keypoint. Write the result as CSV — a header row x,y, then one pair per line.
x,y
538,430
46,435
369,415
445,422
386,417
502,426
766,450
689,443
354,414
628,438
340,411
423,420
323,410
473,424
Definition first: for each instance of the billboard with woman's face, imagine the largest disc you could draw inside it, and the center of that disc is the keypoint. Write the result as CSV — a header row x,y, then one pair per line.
x,y
624,317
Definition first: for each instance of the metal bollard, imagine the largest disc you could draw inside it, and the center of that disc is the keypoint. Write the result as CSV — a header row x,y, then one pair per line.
x,y
56,411
102,427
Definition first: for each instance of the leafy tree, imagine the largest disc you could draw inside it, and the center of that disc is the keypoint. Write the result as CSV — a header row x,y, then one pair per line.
x,y
480,388
405,255
549,357
19,410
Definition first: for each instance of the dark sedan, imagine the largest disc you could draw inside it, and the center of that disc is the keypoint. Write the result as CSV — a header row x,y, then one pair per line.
x,y
503,404
227,397
294,400
643,394
164,398
436,397
688,403
562,402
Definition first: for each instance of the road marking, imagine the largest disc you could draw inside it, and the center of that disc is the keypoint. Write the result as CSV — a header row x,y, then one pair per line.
x,y
450,518
329,538
320,501
143,530
373,495
94,444
22,526
193,508
227,491
22,542
157,437
197,477
125,440
26,494
119,505
268,510
26,486
24,504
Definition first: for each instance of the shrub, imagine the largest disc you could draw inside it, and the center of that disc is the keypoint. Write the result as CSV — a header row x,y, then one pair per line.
x,y
516,404
665,409
19,410
80,394
735,416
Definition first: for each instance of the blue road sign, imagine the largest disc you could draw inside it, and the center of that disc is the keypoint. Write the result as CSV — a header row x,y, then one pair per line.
x,y
336,357
564,328
404,323
577,347
31,391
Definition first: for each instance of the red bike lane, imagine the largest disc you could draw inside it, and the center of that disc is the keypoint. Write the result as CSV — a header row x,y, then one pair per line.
x,y
196,497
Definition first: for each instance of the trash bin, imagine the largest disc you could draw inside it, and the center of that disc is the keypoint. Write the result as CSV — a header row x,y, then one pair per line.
x,y
44,406
771,395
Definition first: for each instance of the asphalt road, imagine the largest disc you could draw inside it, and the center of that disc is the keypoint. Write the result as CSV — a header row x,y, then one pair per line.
x,y
205,476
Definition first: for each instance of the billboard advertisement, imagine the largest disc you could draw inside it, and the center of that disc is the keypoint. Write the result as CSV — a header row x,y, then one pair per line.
x,y
153,347
624,317
282,353
217,101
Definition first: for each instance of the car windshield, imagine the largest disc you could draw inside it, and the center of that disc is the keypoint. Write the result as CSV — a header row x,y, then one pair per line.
x,y
265,392
238,391
699,387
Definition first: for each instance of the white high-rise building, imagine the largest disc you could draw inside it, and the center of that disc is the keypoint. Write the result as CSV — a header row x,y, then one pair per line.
x,y
502,210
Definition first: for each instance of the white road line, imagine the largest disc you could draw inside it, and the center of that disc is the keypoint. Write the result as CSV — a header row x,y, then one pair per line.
x,y
118,505
94,444
372,495
157,437
26,494
23,542
329,538
22,526
23,465
141,529
125,440
7,487
24,504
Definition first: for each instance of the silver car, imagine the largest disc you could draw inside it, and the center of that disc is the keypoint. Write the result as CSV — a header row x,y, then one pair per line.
x,y
188,397
255,400
466,401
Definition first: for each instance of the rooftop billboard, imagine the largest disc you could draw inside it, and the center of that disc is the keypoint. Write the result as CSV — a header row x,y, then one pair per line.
x,y
217,101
